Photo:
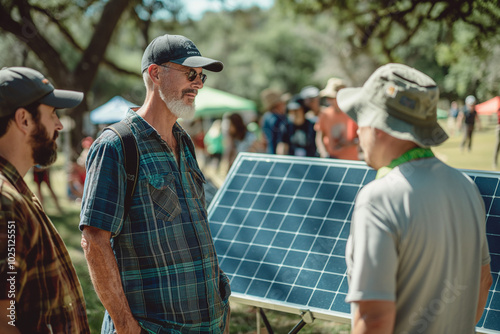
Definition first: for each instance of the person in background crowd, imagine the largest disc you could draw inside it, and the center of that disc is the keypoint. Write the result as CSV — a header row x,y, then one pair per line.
x,y
497,144
237,139
452,117
274,121
300,137
417,254
214,143
40,175
338,131
155,269
468,116
310,96
46,296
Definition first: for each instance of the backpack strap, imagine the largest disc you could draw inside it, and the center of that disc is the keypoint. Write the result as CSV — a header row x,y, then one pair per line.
x,y
131,160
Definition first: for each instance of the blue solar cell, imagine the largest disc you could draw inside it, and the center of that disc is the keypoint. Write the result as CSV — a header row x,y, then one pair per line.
x,y
344,287
299,295
230,265
254,218
319,208
303,242
228,232
354,176
340,305
487,203
335,174
494,243
289,187
255,253
255,185
294,258
495,301
492,320
283,240
215,228
287,275
267,271
311,226
339,249
221,246
308,189
262,202
237,182
300,206
292,223
271,186
248,268
339,211
495,207
493,225
315,261
240,284
298,171
347,194
245,200
237,215
259,288
336,264
281,204
321,299
279,291
275,255
327,191
323,245
219,214
246,167
330,282
316,173
345,231
264,237
245,234
307,278
263,168
280,169
272,221
331,228
487,185
229,198
237,250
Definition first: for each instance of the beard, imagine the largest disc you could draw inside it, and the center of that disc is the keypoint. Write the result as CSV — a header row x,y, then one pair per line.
x,y
44,148
177,106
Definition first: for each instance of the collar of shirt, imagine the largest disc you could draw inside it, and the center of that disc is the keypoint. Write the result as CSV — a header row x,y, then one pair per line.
x,y
413,154
12,175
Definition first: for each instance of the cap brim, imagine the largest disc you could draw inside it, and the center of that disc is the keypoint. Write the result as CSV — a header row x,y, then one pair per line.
x,y
60,99
198,61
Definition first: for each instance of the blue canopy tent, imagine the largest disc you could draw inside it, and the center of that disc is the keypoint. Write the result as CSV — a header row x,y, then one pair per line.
x,y
111,112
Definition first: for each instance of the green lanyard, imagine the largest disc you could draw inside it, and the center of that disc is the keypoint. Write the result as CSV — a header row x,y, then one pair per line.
x,y
413,154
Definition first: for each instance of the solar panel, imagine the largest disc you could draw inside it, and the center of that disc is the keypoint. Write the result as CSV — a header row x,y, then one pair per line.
x,y
280,226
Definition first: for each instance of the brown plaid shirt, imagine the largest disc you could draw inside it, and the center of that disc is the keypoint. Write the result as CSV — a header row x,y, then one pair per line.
x,y
36,273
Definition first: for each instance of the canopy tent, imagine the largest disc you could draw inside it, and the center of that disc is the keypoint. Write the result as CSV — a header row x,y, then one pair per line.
x,y
442,114
489,107
111,112
211,102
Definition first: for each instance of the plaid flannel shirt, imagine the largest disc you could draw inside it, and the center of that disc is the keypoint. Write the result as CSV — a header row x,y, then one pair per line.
x,y
164,249
41,281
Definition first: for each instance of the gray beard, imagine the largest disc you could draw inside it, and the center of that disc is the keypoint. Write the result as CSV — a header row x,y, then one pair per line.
x,y
178,107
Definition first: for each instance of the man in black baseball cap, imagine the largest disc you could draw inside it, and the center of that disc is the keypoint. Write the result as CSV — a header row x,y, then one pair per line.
x,y
160,272
39,289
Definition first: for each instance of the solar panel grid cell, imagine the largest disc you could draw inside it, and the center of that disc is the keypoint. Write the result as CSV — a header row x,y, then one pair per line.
x,y
280,227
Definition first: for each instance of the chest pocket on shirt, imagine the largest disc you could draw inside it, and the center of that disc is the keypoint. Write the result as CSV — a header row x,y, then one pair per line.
x,y
164,197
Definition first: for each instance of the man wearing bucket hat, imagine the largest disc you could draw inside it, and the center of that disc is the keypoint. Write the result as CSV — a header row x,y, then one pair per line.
x,y
39,289
156,267
274,122
417,254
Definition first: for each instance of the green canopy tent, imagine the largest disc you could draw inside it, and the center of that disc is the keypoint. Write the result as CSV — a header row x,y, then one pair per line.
x,y
211,102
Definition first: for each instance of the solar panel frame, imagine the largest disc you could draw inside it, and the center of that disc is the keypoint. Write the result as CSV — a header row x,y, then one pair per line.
x,y
244,248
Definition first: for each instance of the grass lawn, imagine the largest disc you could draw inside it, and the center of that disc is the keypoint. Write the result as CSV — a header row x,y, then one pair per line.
x,y
243,318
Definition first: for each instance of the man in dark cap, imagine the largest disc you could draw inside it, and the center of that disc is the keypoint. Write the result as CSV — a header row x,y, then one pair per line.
x,y
417,254
39,289
155,268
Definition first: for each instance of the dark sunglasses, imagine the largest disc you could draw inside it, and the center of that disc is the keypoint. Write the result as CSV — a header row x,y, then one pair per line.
x,y
191,75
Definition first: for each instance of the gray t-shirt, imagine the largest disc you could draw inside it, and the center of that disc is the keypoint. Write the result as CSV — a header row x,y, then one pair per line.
x,y
418,238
